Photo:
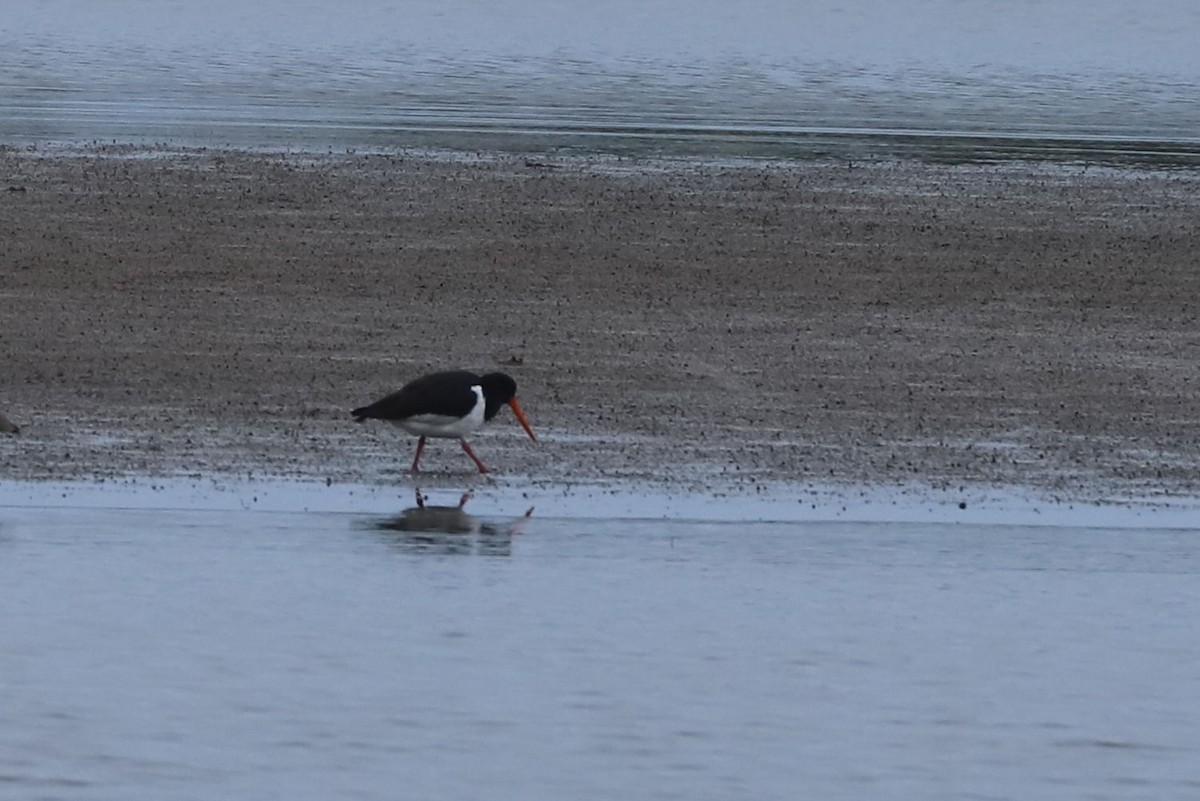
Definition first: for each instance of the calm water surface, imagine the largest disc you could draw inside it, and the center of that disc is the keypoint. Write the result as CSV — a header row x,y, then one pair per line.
x,y
961,78
150,654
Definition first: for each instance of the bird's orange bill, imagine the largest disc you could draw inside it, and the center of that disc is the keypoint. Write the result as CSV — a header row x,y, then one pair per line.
x,y
516,407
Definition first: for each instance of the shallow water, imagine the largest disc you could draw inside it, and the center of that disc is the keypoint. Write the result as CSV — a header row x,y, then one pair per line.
x,y
1111,80
152,653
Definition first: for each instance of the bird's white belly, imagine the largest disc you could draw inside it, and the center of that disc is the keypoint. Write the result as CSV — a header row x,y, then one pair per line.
x,y
441,425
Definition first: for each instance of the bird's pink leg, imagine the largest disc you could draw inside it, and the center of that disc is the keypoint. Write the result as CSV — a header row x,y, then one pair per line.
x,y
483,468
417,459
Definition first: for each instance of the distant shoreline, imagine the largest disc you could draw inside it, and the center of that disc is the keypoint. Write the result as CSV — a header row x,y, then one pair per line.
x,y
640,141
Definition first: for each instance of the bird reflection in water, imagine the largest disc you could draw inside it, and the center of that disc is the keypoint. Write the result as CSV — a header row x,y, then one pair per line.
x,y
426,528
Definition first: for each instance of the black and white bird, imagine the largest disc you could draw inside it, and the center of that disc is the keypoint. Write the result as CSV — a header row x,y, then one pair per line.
x,y
450,405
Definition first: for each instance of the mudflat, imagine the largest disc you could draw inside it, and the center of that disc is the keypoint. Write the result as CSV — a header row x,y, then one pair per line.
x,y
700,325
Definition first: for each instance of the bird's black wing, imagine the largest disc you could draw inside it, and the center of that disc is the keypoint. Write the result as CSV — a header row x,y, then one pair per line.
x,y
447,393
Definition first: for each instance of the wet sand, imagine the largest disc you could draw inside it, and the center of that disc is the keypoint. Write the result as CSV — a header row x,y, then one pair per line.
x,y
702,327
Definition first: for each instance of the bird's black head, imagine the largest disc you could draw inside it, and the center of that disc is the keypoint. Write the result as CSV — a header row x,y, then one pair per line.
x,y
498,389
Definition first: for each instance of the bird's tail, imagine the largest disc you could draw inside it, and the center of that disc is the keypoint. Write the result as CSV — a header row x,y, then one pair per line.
x,y
361,413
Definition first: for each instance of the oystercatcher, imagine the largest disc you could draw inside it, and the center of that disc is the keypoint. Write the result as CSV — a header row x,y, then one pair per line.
x,y
451,404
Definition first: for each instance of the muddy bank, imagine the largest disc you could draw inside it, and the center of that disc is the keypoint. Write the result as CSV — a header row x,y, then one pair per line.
x,y
215,312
